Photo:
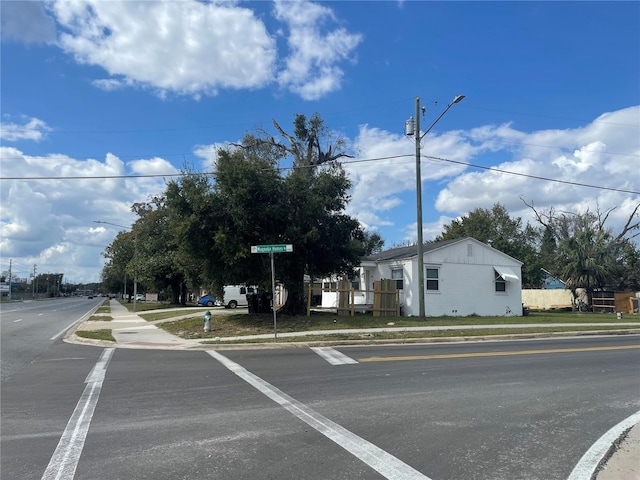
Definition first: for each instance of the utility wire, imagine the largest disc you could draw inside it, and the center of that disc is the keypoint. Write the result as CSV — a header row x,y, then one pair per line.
x,y
345,162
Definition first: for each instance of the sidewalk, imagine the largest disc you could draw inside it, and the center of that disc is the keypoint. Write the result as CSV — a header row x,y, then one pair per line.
x,y
132,331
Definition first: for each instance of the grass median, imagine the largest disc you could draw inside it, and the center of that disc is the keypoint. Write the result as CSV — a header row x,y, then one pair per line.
x,y
96,334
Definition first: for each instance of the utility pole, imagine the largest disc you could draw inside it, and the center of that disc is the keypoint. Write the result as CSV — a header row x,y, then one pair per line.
x,y
33,283
412,128
10,260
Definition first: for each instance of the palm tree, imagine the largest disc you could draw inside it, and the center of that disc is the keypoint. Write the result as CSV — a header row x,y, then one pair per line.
x,y
588,260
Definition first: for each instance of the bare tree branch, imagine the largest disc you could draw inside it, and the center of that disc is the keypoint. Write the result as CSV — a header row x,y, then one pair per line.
x,y
629,226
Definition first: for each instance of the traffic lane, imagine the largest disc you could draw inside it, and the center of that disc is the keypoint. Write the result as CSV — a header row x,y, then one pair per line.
x,y
361,352
301,370
497,417
12,311
534,419
38,327
168,415
37,404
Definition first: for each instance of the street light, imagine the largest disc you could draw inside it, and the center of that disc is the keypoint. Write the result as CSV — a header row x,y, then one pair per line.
x,y
412,128
135,277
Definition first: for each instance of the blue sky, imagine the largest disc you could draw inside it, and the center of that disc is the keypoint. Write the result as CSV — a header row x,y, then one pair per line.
x,y
100,89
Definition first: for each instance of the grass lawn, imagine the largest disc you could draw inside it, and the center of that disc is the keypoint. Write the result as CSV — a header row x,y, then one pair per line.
x,y
244,324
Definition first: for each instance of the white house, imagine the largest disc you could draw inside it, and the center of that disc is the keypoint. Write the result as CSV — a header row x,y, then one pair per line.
x,y
462,277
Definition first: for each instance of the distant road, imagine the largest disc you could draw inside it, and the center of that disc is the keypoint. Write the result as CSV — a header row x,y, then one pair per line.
x,y
29,328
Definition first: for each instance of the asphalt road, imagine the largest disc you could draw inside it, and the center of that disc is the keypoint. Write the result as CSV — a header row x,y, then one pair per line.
x,y
491,410
27,329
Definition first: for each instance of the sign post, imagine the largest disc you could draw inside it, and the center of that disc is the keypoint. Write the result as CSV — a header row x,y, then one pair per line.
x,y
271,249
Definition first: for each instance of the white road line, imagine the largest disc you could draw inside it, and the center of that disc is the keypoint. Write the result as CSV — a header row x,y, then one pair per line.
x,y
65,458
587,465
18,320
384,463
68,327
332,356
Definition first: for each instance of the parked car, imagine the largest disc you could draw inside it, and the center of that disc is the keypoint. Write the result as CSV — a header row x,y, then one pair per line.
x,y
206,300
140,297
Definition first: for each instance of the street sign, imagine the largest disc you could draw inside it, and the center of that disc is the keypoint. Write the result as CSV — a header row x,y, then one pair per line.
x,y
271,248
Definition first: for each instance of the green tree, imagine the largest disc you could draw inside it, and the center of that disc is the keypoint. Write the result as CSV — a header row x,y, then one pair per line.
x,y
256,204
548,249
590,255
201,229
154,259
496,228
119,255
630,275
188,201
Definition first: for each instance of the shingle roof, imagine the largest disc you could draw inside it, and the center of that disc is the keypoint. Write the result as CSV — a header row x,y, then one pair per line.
x,y
407,252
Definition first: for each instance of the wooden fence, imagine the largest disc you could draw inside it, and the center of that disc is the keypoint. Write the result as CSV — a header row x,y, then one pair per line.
x,y
386,299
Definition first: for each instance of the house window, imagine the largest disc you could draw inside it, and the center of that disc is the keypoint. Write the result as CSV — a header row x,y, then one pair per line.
x,y
433,279
469,250
396,274
355,282
501,283
330,286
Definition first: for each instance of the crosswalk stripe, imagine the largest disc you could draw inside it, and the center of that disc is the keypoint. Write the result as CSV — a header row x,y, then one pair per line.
x,y
332,356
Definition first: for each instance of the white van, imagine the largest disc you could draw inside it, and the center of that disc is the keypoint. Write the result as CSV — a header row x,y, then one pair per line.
x,y
236,296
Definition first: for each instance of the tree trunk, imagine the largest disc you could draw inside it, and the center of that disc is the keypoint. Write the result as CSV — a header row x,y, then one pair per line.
x,y
175,291
295,304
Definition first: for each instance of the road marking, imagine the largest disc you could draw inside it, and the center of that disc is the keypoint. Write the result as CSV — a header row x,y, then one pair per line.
x,y
589,462
69,326
332,356
65,458
497,354
384,463
18,320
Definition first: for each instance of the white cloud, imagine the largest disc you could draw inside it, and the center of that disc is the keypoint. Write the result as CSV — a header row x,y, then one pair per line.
x,y
388,171
605,152
34,129
196,48
184,47
311,68
49,221
53,219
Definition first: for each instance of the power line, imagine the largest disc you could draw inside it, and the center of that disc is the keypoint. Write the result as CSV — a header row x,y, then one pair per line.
x,y
346,162
566,182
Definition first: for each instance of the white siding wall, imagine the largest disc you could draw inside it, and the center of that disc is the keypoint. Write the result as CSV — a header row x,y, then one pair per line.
x,y
470,290
467,282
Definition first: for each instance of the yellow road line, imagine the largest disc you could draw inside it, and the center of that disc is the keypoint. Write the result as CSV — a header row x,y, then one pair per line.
x,y
496,354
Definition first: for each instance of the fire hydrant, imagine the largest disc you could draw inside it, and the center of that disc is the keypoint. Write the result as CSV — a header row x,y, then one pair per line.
x,y
207,321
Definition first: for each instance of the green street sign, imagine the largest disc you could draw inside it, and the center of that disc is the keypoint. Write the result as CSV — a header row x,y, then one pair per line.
x,y
271,248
